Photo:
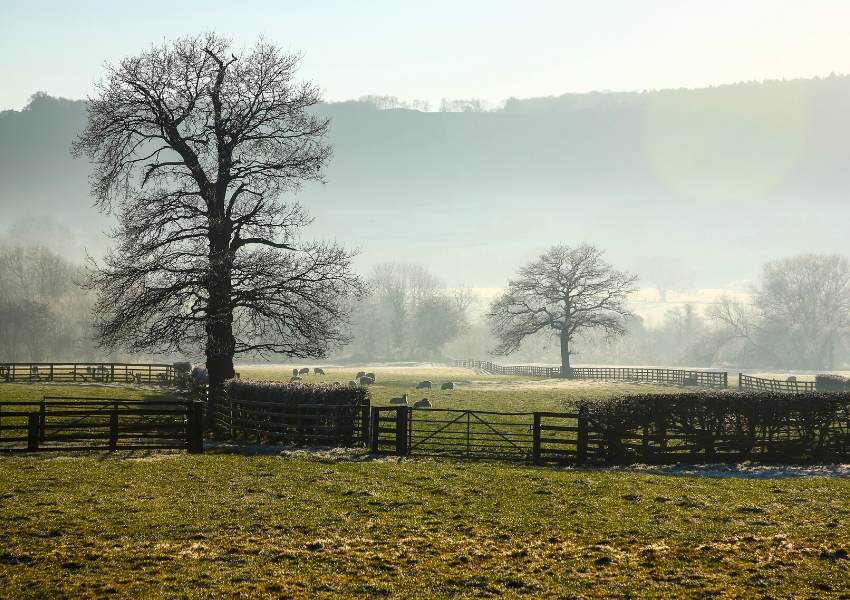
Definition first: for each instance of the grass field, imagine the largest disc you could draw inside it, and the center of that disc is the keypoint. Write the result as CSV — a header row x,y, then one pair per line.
x,y
341,525
265,526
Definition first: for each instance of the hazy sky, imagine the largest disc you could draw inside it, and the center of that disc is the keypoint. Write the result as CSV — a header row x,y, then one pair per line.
x,y
430,50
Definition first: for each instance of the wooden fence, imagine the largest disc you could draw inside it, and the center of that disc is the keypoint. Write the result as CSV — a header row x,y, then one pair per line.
x,y
748,383
66,423
716,379
322,424
578,438
536,437
151,374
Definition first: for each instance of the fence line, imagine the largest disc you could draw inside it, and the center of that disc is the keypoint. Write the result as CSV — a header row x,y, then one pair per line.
x,y
98,372
536,437
748,383
718,379
578,438
111,424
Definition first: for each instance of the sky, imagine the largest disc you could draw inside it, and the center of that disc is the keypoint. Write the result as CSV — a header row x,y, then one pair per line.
x,y
442,49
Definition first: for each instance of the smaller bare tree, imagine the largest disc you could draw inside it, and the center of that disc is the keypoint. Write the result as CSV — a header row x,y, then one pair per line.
x,y
565,291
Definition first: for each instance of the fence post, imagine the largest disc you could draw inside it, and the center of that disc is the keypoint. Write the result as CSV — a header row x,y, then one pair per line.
x,y
581,442
42,418
401,419
375,424
32,431
535,439
195,427
113,428
739,380
364,421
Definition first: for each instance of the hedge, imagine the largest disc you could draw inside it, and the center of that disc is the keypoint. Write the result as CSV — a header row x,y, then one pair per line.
x,y
722,426
326,414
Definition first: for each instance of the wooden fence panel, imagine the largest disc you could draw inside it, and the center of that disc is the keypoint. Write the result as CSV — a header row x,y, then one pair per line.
x,y
748,383
147,374
717,379
73,424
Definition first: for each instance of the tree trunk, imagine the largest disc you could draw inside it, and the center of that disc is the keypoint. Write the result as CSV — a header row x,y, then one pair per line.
x,y
221,344
565,353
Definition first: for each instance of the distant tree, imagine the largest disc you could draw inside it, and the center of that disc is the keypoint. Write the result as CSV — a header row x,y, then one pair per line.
x,y
565,291
799,316
805,301
194,146
409,314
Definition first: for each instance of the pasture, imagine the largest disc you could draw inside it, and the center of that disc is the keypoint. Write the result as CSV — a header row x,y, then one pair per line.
x,y
256,523
473,391
264,526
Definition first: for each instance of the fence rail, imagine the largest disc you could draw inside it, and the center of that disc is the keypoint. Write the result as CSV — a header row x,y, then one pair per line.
x,y
536,437
64,424
718,379
97,372
748,383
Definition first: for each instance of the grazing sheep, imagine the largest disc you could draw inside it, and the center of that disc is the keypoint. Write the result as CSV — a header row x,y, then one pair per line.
x,y
295,372
423,385
360,374
447,386
372,375
352,385
424,403
319,371
366,380
792,379
304,371
399,399
295,379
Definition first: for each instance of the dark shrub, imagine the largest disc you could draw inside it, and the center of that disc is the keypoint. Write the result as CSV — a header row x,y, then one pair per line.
x,y
831,383
710,426
319,413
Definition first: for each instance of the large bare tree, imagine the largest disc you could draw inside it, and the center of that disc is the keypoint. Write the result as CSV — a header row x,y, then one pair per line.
x,y
565,291
194,146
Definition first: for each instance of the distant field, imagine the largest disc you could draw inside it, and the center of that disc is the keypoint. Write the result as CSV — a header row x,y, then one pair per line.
x,y
472,390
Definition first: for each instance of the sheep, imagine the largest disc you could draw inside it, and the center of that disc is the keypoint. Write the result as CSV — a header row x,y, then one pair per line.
x,y
295,372
319,371
352,385
295,379
447,386
304,371
372,375
791,379
422,385
690,380
399,399
366,380
360,374
424,403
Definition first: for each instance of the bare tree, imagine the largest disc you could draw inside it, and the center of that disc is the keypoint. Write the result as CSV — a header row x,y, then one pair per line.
x,y
804,304
565,291
193,146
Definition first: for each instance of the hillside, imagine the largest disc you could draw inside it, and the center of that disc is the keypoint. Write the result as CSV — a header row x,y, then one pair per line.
x,y
715,180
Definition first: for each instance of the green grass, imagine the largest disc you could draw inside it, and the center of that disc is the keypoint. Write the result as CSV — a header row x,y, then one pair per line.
x,y
264,526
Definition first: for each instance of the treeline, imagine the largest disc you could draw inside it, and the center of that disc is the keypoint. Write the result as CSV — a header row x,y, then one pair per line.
x,y
798,318
44,315
409,315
